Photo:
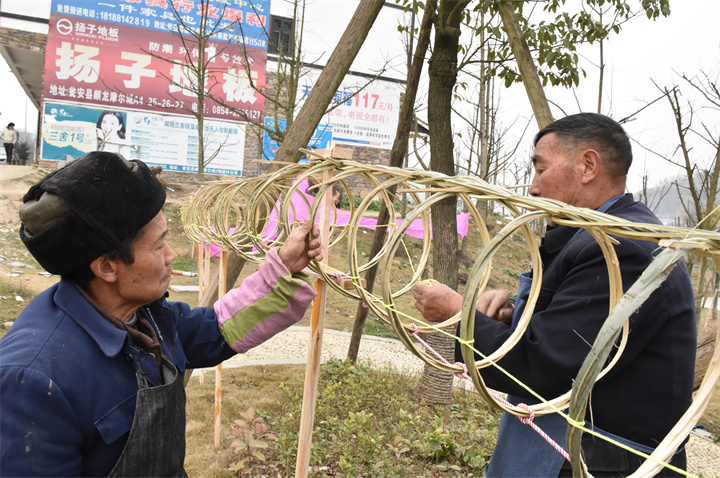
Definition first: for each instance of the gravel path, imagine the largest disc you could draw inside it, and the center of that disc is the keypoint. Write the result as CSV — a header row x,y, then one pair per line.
x,y
290,347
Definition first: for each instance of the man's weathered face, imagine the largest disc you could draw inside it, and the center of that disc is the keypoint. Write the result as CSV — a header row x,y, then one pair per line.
x,y
147,279
558,172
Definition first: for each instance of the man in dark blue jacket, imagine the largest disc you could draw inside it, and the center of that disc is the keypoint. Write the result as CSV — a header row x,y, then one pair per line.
x,y
583,161
91,371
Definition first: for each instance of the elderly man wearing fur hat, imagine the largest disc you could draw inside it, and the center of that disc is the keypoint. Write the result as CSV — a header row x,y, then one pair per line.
x,y
91,372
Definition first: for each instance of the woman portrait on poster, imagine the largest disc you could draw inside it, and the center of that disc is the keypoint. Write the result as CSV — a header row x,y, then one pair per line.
x,y
111,134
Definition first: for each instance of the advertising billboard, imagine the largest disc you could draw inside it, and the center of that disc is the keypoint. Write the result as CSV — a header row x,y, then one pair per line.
x,y
128,59
369,118
250,15
321,137
170,141
125,54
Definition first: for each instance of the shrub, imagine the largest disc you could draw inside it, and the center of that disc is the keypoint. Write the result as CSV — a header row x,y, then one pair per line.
x,y
370,423
250,437
23,150
373,206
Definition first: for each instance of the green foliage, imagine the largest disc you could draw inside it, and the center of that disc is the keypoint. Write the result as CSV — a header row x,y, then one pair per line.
x,y
554,43
373,206
22,150
370,423
511,273
250,436
378,328
345,202
185,263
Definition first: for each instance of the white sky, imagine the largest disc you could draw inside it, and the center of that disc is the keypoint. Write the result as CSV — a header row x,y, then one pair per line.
x,y
686,42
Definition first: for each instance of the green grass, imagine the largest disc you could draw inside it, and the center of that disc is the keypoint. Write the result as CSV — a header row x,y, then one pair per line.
x,y
368,423
185,263
10,307
374,326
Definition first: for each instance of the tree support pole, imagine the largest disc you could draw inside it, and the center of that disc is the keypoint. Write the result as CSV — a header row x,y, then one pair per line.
x,y
526,65
317,321
222,272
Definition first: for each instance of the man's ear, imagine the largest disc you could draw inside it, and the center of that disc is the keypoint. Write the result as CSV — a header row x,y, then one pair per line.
x,y
104,268
591,164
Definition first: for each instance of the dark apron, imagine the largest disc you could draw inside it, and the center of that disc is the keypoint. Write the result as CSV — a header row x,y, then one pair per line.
x,y
156,445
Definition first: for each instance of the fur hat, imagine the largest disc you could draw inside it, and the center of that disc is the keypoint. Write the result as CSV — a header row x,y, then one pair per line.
x,y
86,209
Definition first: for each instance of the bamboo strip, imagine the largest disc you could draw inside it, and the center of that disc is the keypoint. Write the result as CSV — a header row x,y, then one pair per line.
x,y
231,215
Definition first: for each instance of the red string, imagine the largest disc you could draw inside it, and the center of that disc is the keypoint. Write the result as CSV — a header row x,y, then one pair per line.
x,y
524,420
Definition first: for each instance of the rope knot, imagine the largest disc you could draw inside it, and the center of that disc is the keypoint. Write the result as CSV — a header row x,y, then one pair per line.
x,y
526,420
464,374
414,328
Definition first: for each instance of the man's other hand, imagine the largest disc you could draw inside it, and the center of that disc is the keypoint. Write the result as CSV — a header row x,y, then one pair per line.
x,y
496,305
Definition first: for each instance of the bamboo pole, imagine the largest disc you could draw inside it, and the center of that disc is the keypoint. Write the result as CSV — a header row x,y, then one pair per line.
x,y
312,368
222,271
202,255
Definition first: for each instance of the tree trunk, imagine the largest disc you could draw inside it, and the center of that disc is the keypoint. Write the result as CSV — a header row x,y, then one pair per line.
x,y
436,386
705,348
526,65
201,79
397,155
201,146
299,134
485,125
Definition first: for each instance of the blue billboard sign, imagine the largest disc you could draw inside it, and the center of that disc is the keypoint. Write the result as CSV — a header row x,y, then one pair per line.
x,y
321,137
251,17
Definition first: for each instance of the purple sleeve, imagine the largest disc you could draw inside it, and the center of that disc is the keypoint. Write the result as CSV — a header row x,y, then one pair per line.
x,y
267,302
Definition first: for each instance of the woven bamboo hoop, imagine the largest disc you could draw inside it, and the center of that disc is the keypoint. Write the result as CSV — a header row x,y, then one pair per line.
x,y
233,214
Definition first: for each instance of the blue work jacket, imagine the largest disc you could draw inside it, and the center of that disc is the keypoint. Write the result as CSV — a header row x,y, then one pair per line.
x,y
69,383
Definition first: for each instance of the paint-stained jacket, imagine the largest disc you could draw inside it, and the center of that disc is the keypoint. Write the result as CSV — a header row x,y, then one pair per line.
x,y
67,376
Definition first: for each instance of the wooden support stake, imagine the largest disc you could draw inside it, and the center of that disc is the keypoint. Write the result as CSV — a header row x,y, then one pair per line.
x,y
312,368
203,262
200,258
200,253
222,274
